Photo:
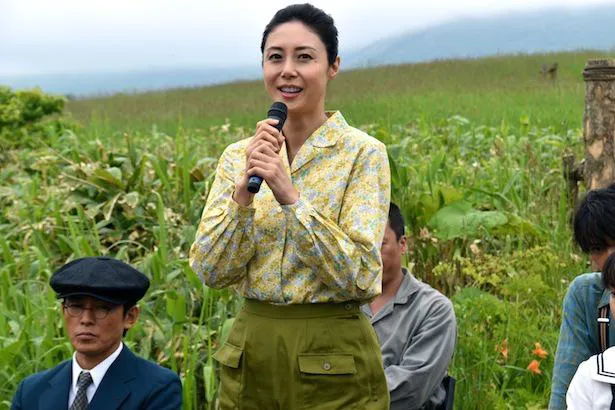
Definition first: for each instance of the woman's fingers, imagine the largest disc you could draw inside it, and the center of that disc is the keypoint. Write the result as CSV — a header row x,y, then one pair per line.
x,y
263,147
267,141
262,169
265,129
263,158
267,164
266,150
268,125
259,140
266,135
269,121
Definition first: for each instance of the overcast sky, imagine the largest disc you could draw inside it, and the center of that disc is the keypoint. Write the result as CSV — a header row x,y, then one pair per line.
x,y
65,36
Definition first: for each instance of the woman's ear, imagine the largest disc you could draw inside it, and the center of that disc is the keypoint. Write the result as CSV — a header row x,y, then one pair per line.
x,y
334,68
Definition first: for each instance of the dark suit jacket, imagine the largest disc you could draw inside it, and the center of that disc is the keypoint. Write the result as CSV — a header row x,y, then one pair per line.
x,y
130,383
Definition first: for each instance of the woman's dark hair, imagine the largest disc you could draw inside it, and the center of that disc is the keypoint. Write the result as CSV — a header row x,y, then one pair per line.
x,y
314,18
608,272
396,221
594,220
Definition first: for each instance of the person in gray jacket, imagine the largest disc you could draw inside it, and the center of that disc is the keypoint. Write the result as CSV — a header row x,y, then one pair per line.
x,y
416,327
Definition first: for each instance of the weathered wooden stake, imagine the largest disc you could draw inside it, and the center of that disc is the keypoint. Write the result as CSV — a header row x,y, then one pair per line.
x,y
598,169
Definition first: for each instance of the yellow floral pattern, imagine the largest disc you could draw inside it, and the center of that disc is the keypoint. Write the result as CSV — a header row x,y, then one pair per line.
x,y
323,248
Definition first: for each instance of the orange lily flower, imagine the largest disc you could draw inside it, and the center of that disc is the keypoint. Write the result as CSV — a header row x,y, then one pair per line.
x,y
503,349
539,351
534,367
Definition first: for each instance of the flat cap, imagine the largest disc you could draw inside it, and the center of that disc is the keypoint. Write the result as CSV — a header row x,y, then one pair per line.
x,y
100,277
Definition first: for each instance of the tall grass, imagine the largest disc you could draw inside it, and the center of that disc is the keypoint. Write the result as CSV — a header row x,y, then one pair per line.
x,y
79,197
475,149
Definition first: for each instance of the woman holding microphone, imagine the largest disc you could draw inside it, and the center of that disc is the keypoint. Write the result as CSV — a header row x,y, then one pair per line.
x,y
304,252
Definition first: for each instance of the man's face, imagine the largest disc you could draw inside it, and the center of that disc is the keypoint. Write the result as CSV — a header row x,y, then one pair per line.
x,y
95,327
391,252
599,257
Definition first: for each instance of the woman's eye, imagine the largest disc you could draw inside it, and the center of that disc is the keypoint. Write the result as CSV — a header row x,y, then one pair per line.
x,y
305,57
274,56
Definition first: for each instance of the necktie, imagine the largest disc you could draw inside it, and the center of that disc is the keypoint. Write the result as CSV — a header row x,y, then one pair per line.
x,y
81,399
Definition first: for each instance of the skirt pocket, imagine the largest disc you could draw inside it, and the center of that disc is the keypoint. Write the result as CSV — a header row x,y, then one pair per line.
x,y
231,375
328,380
333,363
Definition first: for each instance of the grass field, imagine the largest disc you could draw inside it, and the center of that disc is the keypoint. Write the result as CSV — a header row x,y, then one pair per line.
x,y
486,91
475,149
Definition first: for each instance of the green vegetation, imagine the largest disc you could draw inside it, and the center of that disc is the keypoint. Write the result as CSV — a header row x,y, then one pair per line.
x,y
27,117
475,149
486,91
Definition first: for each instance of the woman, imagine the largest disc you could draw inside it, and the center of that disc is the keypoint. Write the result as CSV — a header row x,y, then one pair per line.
x,y
304,251
593,385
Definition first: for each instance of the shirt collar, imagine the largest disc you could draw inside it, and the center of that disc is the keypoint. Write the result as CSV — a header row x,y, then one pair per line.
x,y
409,285
97,372
605,298
604,368
330,131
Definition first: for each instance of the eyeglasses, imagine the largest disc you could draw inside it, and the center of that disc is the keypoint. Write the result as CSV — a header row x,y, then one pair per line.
x,y
99,312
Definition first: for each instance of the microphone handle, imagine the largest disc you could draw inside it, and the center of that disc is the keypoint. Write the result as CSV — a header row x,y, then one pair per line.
x,y
254,182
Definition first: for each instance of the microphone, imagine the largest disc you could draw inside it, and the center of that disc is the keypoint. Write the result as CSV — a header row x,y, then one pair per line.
x,y
277,111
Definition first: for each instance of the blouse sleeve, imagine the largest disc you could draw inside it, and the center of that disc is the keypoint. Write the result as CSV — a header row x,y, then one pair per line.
x,y
347,253
224,241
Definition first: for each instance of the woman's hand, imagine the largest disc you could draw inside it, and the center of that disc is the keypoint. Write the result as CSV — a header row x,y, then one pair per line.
x,y
266,135
267,164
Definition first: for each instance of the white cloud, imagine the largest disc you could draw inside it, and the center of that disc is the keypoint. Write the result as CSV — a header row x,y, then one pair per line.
x,y
95,35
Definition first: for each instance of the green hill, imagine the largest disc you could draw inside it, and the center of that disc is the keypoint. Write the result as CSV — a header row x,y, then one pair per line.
x,y
488,91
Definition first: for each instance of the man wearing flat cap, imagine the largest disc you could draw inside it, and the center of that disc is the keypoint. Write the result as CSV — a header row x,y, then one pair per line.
x,y
99,297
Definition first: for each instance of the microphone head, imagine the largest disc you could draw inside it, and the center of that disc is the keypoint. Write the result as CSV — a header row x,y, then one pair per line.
x,y
279,111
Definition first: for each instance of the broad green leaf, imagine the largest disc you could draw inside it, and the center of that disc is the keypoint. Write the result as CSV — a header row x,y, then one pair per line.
x,y
226,329
460,220
111,176
132,199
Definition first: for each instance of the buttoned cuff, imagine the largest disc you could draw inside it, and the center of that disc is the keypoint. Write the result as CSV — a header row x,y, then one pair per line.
x,y
237,211
302,210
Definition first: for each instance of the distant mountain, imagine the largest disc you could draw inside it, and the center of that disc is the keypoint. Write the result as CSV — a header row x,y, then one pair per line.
x,y
82,84
527,32
519,32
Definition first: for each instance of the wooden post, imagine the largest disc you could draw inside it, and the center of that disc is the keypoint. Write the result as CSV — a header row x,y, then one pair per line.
x,y
599,124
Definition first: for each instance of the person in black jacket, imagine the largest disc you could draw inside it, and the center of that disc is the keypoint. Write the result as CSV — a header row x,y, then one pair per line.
x,y
99,304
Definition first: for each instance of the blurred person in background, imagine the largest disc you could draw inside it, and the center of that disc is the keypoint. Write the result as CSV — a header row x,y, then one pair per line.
x,y
587,299
415,324
593,385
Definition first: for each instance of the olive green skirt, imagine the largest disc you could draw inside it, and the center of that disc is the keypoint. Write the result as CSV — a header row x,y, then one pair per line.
x,y
312,356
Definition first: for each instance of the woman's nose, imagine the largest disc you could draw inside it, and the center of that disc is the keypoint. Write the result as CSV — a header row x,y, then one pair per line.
x,y
288,70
